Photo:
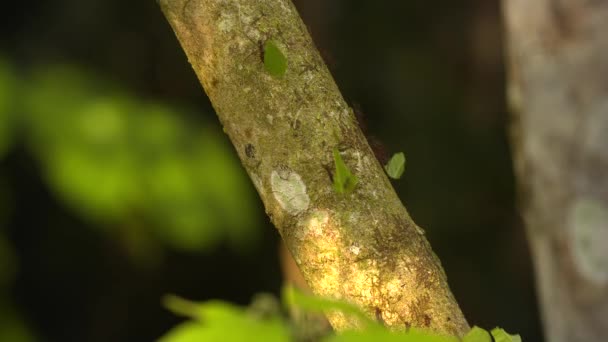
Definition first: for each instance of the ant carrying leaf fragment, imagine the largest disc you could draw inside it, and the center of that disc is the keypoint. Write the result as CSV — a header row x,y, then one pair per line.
x,y
274,60
344,180
395,166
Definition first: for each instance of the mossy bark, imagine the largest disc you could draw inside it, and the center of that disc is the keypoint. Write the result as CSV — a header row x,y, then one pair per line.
x,y
558,91
361,247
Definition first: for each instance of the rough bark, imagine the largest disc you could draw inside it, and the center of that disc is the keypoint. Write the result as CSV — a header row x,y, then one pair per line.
x,y
558,90
361,247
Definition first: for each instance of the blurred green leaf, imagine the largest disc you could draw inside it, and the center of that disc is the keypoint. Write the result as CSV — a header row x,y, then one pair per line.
x,y
158,130
227,189
500,335
101,186
54,97
191,332
477,334
220,321
173,200
274,60
111,157
104,121
91,165
217,320
264,305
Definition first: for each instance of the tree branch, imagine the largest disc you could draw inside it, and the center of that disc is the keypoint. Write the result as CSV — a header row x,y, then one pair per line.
x,y
362,246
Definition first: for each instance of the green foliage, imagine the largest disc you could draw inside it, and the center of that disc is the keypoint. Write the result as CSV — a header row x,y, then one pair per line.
x,y
502,336
144,171
274,60
220,321
215,320
395,166
344,180
477,334
138,166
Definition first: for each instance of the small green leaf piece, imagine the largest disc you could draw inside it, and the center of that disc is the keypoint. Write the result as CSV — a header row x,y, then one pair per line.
x,y
274,60
500,335
344,180
477,334
395,166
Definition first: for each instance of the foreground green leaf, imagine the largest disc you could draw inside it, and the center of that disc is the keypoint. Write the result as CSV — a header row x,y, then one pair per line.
x,y
221,321
477,334
132,164
500,335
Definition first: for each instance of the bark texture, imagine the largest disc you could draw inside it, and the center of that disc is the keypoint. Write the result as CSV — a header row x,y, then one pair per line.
x,y
558,90
361,247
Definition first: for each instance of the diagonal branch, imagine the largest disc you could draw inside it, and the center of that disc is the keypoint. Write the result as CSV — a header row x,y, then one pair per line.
x,y
360,246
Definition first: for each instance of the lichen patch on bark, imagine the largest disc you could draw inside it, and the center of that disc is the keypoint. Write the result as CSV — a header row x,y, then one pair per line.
x,y
290,191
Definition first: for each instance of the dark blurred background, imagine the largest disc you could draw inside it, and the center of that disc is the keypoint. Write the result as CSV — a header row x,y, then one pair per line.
x,y
117,185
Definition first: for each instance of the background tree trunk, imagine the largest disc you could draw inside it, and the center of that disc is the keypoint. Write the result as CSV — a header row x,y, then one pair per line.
x,y
558,91
361,247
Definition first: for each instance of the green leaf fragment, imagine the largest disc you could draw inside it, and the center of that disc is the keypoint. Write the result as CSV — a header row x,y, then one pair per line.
x,y
477,334
344,180
274,60
500,335
396,165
